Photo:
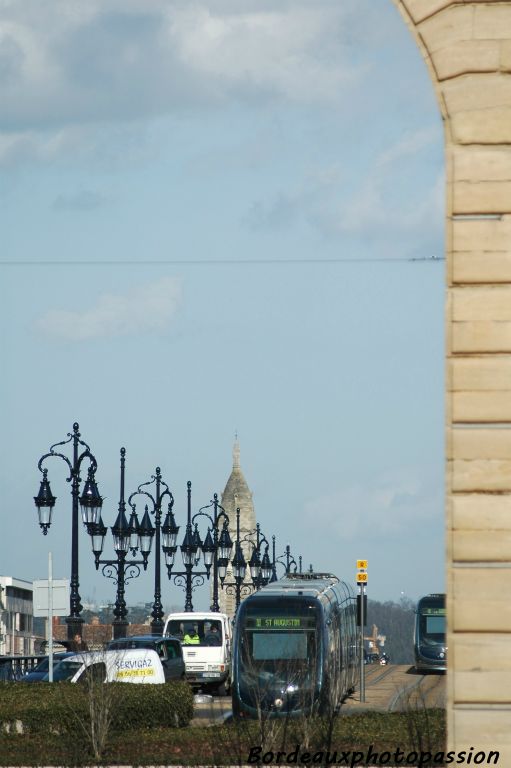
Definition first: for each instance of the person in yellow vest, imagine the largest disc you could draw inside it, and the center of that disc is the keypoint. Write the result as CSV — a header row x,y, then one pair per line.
x,y
191,636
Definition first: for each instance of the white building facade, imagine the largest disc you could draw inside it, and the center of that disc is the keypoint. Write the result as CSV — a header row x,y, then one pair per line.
x,y
16,617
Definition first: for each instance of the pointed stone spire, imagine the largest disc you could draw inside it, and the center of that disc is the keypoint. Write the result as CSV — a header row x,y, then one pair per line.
x,y
237,494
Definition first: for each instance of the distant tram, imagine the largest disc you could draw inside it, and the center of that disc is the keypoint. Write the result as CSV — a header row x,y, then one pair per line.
x,y
429,637
295,648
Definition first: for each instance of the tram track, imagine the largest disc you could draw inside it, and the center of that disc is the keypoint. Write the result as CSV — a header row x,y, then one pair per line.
x,y
377,678
417,693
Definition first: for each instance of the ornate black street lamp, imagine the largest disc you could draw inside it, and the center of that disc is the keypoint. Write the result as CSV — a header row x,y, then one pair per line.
x,y
260,568
127,536
219,546
239,569
157,623
90,503
192,548
289,560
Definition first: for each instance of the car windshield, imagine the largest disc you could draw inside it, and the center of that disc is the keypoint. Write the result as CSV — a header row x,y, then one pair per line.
x,y
65,670
44,664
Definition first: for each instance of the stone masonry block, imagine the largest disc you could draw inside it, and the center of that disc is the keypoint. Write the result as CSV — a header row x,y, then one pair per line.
x,y
492,21
419,9
481,337
483,669
486,588
479,374
475,163
483,728
481,407
481,197
477,443
483,126
482,235
481,475
477,91
444,30
481,267
481,303
481,546
481,512
467,56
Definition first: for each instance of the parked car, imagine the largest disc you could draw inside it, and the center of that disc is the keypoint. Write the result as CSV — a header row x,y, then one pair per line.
x,y
127,665
168,649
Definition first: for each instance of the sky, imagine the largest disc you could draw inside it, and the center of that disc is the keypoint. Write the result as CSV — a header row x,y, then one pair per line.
x,y
223,216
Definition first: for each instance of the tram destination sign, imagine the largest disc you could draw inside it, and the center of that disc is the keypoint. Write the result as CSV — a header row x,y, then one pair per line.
x,y
433,611
281,622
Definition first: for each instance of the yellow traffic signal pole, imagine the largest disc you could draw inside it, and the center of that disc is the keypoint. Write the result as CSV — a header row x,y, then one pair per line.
x,y
361,599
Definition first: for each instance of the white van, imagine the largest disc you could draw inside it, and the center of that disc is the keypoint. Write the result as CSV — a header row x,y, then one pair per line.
x,y
137,665
206,641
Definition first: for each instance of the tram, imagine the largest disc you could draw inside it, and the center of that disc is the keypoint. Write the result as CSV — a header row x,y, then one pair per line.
x,y
429,636
295,648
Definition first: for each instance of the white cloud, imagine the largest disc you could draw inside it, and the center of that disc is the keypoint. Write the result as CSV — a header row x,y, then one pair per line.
x,y
287,51
389,200
398,200
388,506
107,60
148,308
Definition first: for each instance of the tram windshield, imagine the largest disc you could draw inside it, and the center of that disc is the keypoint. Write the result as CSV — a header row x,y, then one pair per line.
x,y
432,622
279,643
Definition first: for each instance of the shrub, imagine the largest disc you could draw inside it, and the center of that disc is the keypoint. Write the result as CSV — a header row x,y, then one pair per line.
x,y
52,707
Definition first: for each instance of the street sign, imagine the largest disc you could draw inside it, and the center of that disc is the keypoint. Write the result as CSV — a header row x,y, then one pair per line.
x,y
361,578
361,565
60,597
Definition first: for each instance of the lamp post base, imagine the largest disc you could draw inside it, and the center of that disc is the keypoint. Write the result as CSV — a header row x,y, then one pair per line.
x,y
157,626
74,626
120,628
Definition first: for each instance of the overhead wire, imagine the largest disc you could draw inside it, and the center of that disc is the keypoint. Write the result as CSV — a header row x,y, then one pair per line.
x,y
207,262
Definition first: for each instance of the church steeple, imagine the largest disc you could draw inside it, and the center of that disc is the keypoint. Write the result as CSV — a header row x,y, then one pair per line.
x,y
237,494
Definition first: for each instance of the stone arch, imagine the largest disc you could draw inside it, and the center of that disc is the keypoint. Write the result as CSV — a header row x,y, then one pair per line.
x,y
467,47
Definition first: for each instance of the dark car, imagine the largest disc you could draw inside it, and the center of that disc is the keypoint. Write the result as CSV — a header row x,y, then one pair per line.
x,y
167,648
37,674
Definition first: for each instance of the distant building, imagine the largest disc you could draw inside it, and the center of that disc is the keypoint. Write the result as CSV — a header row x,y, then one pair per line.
x,y
97,635
237,494
16,617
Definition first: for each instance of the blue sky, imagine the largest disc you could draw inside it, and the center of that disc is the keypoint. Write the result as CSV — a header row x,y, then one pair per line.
x,y
143,146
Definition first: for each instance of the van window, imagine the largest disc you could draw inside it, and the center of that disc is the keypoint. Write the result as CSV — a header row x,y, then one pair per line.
x,y
96,673
202,627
